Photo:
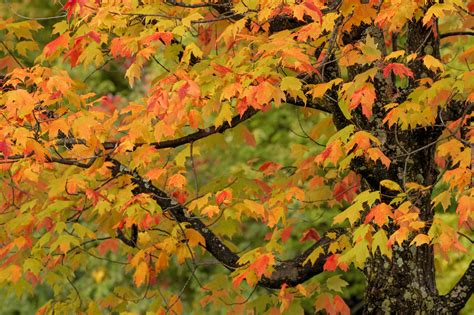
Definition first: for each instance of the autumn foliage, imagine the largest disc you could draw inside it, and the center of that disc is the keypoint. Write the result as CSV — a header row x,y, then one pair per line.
x,y
383,92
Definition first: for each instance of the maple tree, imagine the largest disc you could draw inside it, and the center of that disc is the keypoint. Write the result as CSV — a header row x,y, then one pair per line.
x,y
385,87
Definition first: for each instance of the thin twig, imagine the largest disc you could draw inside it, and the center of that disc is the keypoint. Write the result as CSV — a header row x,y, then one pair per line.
x,y
11,54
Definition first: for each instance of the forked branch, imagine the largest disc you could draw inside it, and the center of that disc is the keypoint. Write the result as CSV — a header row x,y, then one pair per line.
x,y
290,272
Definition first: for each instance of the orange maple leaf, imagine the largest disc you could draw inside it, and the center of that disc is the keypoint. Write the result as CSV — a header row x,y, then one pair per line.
x,y
380,214
365,97
465,209
261,264
60,42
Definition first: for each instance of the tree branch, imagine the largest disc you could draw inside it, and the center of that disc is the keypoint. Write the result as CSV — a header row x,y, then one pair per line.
x,y
457,298
445,35
456,109
290,272
202,133
199,5
308,104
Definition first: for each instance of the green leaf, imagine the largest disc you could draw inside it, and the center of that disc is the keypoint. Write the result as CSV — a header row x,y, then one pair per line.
x,y
336,283
357,255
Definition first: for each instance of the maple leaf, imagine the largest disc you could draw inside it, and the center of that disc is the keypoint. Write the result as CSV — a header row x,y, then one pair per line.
x,y
108,245
210,211
60,42
437,11
195,118
164,37
341,306
465,209
220,69
395,55
224,197
5,149
291,84
332,263
332,153
347,188
162,262
398,236
177,181
376,154
286,234
365,97
98,275
420,239
119,49
141,274
398,69
248,136
313,8
15,273
335,283
380,241
310,234
225,114
325,302
269,167
237,280
380,214
194,238
390,185
260,265
70,5
361,141
325,154
94,196
192,76
432,63
155,173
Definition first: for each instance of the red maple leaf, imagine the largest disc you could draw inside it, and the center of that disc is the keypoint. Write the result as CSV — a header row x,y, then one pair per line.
x,y
5,149
285,235
164,37
94,196
310,234
332,263
223,197
398,69
71,5
108,245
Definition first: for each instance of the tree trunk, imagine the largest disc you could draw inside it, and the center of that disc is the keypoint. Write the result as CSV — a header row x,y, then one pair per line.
x,y
404,284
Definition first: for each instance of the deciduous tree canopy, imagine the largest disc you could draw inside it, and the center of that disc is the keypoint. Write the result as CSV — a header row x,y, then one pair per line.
x,y
382,92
